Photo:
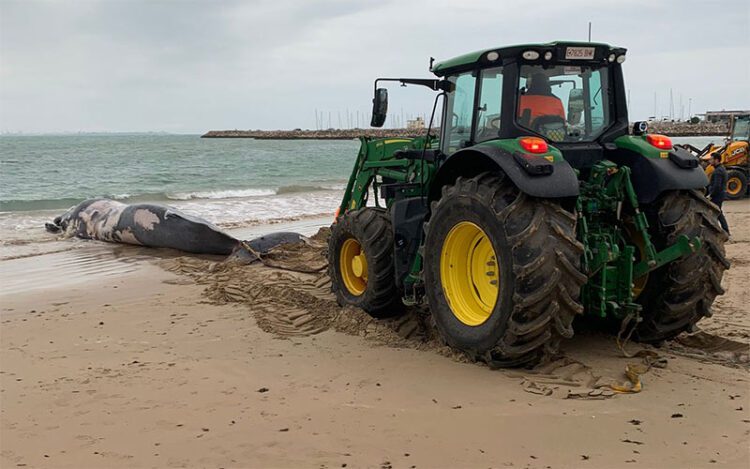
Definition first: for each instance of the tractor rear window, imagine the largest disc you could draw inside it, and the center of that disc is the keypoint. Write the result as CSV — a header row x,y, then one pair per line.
x,y
564,103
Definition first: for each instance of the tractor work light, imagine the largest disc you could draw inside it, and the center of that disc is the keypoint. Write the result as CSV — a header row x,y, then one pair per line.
x,y
493,56
530,55
535,144
548,55
621,59
661,142
611,57
640,128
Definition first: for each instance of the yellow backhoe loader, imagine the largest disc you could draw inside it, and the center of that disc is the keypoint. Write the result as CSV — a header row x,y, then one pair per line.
x,y
734,156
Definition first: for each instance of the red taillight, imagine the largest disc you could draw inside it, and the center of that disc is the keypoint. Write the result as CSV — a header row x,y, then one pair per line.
x,y
533,144
661,142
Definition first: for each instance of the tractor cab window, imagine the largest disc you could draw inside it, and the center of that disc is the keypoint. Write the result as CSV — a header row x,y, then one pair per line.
x,y
564,103
459,112
490,104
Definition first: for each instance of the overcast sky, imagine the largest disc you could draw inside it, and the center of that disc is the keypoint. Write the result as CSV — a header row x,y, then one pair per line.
x,y
190,66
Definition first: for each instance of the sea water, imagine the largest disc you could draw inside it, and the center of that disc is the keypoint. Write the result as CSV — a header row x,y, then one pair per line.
x,y
230,182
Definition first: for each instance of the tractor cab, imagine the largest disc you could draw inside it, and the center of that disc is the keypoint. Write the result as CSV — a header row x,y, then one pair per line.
x,y
570,94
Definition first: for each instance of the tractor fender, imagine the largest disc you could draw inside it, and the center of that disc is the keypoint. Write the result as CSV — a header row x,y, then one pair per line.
x,y
472,161
653,176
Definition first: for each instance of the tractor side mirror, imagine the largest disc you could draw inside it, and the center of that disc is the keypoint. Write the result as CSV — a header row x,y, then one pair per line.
x,y
575,106
379,107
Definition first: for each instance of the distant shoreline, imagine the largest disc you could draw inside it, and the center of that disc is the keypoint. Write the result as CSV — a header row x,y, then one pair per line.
x,y
330,134
674,129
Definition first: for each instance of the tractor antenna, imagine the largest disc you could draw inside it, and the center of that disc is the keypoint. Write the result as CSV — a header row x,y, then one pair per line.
x,y
589,31
432,60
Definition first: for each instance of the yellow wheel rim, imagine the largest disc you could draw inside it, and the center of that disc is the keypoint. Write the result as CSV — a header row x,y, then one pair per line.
x,y
734,186
639,284
353,267
469,273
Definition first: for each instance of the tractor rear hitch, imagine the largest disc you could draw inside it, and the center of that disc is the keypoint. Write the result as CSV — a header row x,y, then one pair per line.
x,y
682,247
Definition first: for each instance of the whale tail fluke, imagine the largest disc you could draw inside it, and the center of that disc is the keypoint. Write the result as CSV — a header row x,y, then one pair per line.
x,y
242,255
252,250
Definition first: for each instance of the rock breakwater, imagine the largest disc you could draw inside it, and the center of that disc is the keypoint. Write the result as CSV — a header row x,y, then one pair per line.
x,y
298,134
675,129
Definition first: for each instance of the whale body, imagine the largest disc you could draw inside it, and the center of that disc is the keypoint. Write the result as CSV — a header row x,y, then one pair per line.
x,y
157,226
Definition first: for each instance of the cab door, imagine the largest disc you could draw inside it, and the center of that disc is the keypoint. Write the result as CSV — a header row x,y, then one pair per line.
x,y
459,113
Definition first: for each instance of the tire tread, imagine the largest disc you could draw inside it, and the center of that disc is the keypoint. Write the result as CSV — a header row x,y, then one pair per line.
x,y
546,259
372,228
691,283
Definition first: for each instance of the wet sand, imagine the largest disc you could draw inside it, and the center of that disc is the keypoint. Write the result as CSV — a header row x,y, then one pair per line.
x,y
115,356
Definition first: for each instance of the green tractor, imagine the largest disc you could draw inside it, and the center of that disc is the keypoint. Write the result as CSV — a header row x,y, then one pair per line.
x,y
533,206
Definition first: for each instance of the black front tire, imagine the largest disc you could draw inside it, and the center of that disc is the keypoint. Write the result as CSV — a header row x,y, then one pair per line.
x,y
371,228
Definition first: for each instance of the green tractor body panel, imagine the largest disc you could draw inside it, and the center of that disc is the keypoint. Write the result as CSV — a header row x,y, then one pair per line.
x,y
605,175
655,170
638,144
512,145
537,174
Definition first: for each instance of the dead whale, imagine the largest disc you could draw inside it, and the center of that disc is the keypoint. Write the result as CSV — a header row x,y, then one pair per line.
x,y
159,226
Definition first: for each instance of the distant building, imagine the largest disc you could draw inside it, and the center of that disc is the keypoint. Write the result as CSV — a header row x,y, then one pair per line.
x,y
723,117
416,124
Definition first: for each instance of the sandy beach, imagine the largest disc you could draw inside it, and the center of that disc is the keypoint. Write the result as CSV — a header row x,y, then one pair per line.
x,y
116,356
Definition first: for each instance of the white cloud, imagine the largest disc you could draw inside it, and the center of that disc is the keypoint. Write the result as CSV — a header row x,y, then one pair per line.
x,y
187,66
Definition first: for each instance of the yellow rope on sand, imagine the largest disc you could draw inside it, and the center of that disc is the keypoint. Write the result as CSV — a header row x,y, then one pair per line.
x,y
634,371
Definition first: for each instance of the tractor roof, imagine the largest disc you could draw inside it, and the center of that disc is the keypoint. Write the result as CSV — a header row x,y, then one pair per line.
x,y
469,60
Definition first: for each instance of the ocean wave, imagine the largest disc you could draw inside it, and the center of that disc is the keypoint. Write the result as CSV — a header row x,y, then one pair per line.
x,y
293,189
36,205
67,202
243,193
221,194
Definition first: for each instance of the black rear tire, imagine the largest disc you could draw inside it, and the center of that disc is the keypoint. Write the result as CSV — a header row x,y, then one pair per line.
x,y
538,262
679,294
371,228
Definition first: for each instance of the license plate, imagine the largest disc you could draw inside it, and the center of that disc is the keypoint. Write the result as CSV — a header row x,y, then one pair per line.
x,y
579,53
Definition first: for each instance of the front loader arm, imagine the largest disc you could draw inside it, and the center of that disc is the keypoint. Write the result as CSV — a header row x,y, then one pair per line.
x,y
353,199
377,157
